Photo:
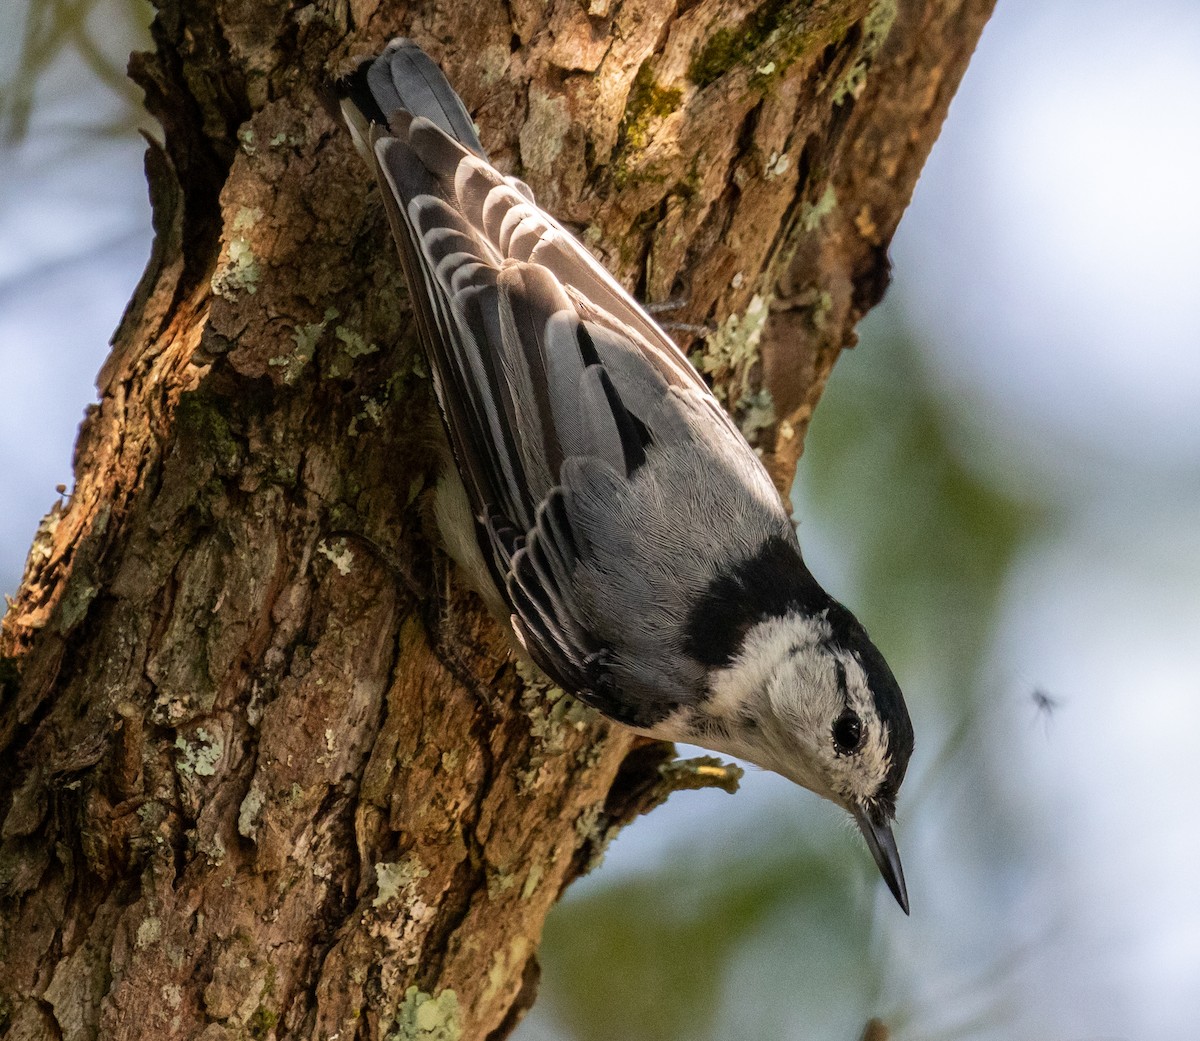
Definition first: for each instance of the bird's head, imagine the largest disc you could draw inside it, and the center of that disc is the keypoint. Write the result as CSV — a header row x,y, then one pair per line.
x,y
809,697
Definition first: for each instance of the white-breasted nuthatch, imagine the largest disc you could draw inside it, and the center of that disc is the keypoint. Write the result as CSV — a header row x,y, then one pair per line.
x,y
609,510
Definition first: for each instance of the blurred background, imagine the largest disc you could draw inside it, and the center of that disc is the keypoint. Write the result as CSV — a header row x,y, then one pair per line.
x,y
1003,480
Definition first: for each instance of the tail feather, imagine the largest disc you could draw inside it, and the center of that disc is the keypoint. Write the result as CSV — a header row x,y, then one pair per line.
x,y
404,79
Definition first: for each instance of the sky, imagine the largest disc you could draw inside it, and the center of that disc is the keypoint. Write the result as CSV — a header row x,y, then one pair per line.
x,y
74,238
1048,265
1045,269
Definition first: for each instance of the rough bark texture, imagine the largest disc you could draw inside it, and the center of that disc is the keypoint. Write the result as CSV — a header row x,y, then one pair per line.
x,y
265,768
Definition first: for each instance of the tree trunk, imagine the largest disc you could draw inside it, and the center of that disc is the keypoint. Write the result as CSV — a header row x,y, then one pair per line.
x,y
266,769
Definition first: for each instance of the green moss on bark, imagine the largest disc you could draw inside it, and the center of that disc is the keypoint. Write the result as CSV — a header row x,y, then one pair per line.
x,y
770,40
648,101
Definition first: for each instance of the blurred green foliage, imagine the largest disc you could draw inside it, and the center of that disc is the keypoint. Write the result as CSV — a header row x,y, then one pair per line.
x,y
929,534
97,33
675,952
652,956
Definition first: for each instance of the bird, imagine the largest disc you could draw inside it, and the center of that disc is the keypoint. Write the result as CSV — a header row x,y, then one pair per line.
x,y
603,503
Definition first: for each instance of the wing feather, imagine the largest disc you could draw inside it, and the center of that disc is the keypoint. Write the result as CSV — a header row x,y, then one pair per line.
x,y
555,388
405,79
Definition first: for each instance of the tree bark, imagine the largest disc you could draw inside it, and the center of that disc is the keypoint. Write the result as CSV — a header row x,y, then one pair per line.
x,y
266,769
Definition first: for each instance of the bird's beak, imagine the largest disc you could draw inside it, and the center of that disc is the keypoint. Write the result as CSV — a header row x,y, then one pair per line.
x,y
883,848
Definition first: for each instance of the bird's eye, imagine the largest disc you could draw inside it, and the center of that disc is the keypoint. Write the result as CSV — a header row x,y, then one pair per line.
x,y
847,731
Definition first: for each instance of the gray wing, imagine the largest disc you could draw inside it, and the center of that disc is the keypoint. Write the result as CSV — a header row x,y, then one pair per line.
x,y
575,421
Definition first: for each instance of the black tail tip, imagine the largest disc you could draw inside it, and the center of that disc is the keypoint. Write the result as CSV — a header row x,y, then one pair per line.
x,y
354,88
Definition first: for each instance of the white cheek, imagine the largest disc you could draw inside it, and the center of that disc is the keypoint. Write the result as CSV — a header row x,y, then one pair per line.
x,y
765,661
804,697
871,764
858,776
